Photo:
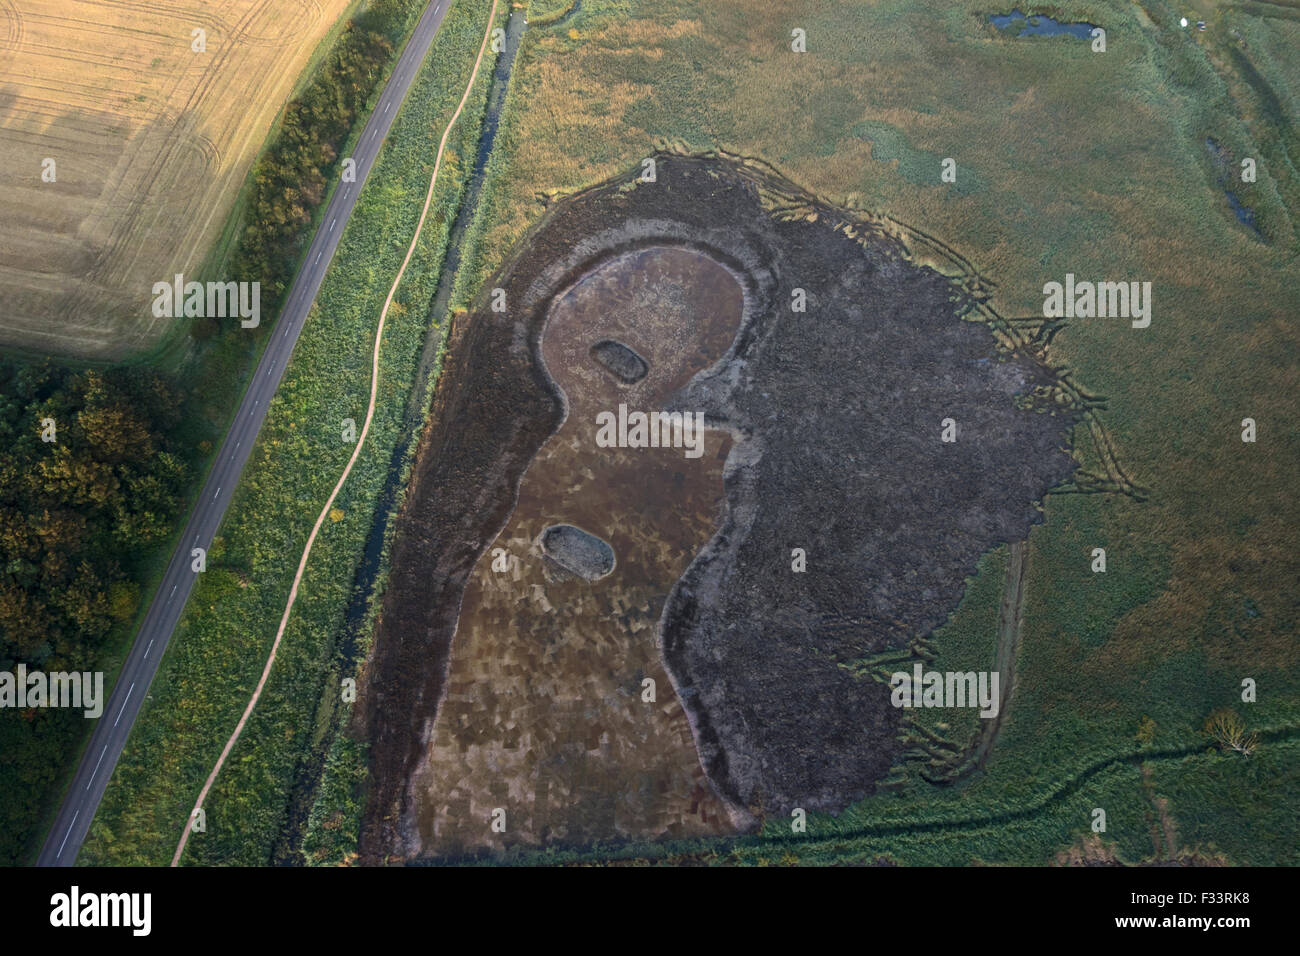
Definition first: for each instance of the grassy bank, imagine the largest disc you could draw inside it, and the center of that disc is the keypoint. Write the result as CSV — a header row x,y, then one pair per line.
x,y
222,640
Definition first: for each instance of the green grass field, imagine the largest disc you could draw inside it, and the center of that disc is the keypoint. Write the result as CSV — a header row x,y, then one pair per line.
x,y
1068,161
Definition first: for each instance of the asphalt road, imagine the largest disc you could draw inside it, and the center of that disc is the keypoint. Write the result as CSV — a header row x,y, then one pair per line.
x,y
106,742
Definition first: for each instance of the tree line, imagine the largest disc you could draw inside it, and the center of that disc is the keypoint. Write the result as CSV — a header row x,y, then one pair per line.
x,y
90,478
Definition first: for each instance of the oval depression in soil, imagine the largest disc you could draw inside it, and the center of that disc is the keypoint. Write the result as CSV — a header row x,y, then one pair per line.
x,y
578,551
620,361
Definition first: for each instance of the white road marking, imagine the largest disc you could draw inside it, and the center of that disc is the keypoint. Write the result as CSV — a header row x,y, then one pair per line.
x,y
97,763
386,105
65,836
173,594
148,649
332,221
215,493
128,697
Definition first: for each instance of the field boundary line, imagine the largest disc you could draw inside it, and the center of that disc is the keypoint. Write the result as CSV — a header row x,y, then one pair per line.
x,y
537,856
365,429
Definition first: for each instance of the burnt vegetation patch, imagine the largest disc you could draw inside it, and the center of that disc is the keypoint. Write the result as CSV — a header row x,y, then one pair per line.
x,y
838,407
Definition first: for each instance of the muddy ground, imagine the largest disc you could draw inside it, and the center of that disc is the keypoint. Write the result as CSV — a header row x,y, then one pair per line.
x,y
826,437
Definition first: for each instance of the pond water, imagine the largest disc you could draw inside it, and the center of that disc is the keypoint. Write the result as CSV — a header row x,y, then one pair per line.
x,y
1039,25
1245,214
1224,170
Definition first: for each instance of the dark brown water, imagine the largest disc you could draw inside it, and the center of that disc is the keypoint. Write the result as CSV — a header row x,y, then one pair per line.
x,y
543,714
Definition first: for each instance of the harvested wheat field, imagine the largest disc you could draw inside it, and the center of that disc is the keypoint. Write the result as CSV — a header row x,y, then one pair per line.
x,y
150,140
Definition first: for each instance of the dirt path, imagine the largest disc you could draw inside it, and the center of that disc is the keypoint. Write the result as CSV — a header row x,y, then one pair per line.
x,y
1009,619
356,453
1004,660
